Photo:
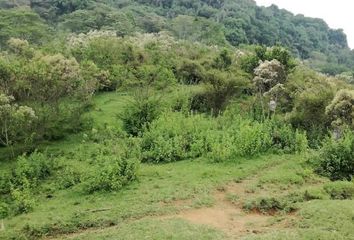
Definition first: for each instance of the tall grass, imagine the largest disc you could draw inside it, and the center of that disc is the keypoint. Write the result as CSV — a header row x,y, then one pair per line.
x,y
175,136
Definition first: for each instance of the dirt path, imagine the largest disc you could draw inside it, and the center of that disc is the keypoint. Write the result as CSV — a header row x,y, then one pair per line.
x,y
226,214
223,215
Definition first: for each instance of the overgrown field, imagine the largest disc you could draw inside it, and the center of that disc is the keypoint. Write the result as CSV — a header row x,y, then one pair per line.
x,y
69,194
149,137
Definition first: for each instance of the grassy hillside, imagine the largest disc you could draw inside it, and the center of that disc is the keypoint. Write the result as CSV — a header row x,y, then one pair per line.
x,y
171,134
264,197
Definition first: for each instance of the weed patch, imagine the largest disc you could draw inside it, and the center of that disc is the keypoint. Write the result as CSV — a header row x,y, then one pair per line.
x,y
340,190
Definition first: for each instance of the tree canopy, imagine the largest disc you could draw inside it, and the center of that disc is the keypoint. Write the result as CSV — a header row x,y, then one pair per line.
x,y
220,22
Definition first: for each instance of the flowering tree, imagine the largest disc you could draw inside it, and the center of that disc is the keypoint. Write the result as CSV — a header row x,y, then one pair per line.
x,y
268,81
15,121
341,110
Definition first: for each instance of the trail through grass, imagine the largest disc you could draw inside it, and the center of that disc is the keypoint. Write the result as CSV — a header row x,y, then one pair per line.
x,y
265,197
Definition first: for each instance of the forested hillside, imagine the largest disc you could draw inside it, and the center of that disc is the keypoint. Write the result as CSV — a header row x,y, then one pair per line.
x,y
180,120
219,22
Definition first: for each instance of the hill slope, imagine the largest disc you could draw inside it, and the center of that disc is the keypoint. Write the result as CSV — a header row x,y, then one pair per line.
x,y
210,21
153,137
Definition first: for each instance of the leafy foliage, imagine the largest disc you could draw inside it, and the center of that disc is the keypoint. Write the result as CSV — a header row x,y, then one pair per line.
x,y
336,159
340,190
32,169
220,88
50,85
308,94
168,84
15,121
114,174
22,23
341,108
261,53
68,177
174,137
140,113
23,201
211,22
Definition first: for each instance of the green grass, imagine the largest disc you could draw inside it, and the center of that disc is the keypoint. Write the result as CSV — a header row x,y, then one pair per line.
x,y
107,107
139,210
150,229
288,174
157,185
320,219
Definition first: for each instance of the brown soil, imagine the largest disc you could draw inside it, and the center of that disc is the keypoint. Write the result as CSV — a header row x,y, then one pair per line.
x,y
226,216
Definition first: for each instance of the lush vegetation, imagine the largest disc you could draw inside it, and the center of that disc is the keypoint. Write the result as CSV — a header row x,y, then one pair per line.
x,y
131,114
216,22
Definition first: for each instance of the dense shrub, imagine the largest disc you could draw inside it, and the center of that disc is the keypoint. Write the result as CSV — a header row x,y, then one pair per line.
x,y
21,184
220,89
53,87
25,177
68,177
336,159
340,190
4,210
4,183
112,164
247,138
310,107
32,168
22,198
103,133
16,121
309,112
315,193
109,166
283,203
264,205
139,114
287,139
118,146
341,109
62,121
127,63
180,101
104,50
252,138
174,136
112,174
156,76
316,136
221,146
24,23
250,62
190,72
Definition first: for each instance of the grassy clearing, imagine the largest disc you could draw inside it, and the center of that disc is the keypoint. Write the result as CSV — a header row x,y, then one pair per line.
x,y
174,229
137,211
159,186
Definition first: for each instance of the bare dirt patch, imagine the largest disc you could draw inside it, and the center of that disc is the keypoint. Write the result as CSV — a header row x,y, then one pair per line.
x,y
227,216
232,221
